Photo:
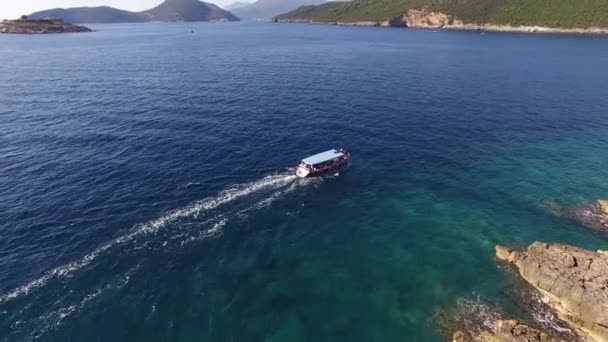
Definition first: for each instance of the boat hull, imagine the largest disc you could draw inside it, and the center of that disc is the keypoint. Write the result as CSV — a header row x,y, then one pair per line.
x,y
306,173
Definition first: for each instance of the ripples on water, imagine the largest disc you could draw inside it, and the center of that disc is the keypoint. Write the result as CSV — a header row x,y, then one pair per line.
x,y
146,193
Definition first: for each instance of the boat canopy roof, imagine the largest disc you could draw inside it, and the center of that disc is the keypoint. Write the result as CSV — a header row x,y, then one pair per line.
x,y
323,157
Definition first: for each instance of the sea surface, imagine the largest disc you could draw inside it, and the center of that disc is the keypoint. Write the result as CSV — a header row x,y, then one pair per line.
x,y
147,189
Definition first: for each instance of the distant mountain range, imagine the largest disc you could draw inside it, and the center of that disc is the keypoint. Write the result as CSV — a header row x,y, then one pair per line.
x,y
236,4
170,10
266,9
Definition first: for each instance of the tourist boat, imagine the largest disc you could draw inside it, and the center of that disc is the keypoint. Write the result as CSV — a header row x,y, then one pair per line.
x,y
325,163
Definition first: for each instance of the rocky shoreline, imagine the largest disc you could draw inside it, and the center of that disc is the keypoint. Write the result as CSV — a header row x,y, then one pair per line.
x,y
424,19
573,282
564,288
477,321
508,330
46,26
561,290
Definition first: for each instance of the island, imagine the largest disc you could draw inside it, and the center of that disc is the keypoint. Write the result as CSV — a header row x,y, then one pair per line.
x,y
168,11
35,26
534,16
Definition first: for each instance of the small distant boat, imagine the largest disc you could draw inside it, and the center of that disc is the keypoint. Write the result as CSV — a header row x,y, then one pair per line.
x,y
324,163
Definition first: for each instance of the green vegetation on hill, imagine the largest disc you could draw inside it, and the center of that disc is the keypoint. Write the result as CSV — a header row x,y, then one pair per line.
x,y
552,13
329,11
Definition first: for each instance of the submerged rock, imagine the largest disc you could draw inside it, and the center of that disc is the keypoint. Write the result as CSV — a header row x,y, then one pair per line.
x,y
593,214
573,280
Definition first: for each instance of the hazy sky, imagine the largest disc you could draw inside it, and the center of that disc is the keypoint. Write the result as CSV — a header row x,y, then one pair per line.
x,y
14,8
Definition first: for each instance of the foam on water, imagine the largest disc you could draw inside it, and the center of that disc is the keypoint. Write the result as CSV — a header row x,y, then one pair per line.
x,y
214,232
548,320
544,316
221,220
476,315
268,183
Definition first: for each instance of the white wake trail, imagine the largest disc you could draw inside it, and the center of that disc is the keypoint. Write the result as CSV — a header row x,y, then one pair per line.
x,y
54,319
272,182
221,220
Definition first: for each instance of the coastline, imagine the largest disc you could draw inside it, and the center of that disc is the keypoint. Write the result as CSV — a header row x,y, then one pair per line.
x,y
457,26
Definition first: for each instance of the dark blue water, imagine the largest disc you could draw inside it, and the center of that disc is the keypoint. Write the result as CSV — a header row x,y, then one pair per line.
x,y
146,187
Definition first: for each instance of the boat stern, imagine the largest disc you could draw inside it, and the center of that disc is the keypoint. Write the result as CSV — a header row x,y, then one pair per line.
x,y
302,171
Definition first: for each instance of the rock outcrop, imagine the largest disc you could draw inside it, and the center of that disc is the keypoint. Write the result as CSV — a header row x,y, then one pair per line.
x,y
507,331
512,330
573,280
477,321
423,18
426,19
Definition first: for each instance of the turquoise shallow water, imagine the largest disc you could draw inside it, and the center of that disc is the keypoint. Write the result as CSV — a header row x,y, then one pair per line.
x,y
148,191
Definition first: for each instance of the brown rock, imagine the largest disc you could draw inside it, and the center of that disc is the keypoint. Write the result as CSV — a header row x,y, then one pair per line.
x,y
476,321
603,206
425,19
514,331
507,331
459,337
575,281
504,253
